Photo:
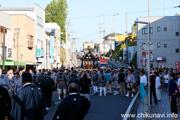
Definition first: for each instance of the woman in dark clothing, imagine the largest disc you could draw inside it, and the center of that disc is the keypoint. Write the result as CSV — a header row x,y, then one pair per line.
x,y
85,85
173,95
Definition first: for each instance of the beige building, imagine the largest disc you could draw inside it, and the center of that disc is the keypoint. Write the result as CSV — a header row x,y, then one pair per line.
x,y
26,41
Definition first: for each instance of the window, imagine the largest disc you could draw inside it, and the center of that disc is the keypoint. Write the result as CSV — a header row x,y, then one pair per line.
x,y
158,29
177,50
177,33
165,28
142,46
30,42
165,45
144,31
151,30
158,45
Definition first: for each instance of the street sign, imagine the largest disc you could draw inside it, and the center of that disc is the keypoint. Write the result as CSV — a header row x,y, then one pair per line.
x,y
177,65
151,46
38,51
151,57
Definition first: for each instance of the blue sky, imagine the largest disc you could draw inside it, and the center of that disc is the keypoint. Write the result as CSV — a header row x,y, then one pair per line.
x,y
86,15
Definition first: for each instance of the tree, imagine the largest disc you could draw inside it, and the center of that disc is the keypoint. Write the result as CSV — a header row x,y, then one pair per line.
x,y
95,45
56,12
134,29
177,14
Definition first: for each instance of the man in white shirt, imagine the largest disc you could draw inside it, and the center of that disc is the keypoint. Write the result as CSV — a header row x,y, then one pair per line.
x,y
166,80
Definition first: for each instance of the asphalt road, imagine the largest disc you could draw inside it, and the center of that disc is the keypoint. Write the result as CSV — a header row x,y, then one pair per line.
x,y
109,107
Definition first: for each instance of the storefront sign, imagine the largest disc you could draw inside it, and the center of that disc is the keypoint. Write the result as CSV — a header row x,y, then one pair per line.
x,y
177,65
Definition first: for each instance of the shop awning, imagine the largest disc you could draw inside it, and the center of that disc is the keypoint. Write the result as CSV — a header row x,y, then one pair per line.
x,y
161,59
20,63
7,63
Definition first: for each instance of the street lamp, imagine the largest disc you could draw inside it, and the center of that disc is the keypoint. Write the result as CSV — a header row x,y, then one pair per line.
x,y
148,57
17,32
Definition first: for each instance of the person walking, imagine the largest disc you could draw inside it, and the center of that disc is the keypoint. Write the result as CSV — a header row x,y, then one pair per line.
x,y
109,82
102,84
5,104
47,87
158,86
29,101
17,80
115,81
122,82
74,107
143,83
130,81
4,80
153,87
95,81
62,82
166,80
84,85
173,95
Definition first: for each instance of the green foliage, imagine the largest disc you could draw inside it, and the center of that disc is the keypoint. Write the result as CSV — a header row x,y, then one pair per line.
x,y
118,52
134,61
95,45
134,29
56,13
177,14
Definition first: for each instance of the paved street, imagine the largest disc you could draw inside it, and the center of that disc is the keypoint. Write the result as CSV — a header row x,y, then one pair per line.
x,y
102,108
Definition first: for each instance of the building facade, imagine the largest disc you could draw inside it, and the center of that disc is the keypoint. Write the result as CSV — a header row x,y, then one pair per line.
x,y
38,15
165,36
5,34
24,42
55,30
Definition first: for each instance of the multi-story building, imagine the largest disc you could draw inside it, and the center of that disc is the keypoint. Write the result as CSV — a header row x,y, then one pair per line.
x,y
24,42
55,30
165,36
38,15
7,35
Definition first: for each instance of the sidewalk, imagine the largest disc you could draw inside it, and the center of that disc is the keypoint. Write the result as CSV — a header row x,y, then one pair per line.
x,y
163,108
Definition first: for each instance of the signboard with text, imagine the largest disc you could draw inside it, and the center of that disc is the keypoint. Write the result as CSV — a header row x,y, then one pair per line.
x,y
177,65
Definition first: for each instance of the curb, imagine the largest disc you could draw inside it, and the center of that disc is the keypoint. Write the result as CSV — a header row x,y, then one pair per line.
x,y
130,106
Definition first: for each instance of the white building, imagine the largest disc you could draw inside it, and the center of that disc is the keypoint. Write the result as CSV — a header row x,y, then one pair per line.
x,y
37,14
131,52
55,30
165,36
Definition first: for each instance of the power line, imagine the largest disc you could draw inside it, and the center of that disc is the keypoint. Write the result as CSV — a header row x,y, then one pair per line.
x,y
96,16
89,35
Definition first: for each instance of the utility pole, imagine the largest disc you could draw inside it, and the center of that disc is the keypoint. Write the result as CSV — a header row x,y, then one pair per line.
x,y
73,50
17,32
67,46
127,52
3,54
148,8
104,37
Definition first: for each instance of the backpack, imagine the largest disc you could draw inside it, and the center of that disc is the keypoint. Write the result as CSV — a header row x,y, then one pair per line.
x,y
103,79
121,77
60,76
95,78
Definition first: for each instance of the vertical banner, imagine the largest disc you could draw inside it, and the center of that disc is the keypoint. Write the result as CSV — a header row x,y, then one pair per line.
x,y
115,43
177,65
51,45
144,62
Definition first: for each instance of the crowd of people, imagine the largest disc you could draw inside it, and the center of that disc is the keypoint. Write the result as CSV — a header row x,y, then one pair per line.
x,y
29,94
